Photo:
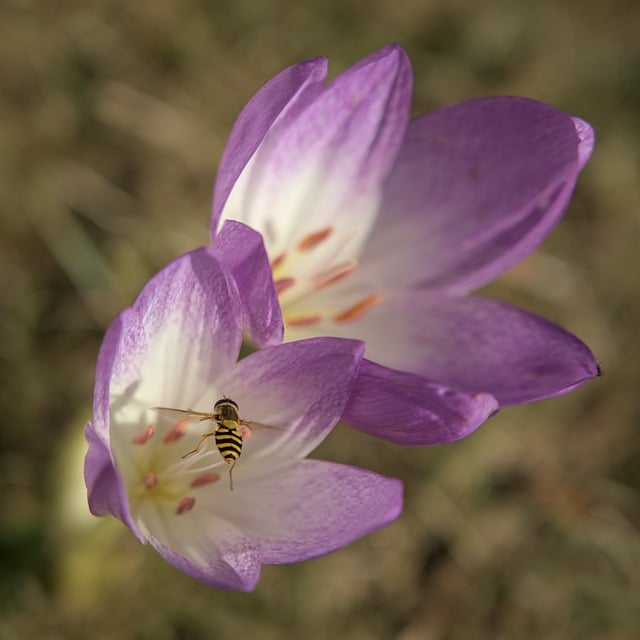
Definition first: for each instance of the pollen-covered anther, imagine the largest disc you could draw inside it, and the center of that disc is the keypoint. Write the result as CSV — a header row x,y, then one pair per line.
x,y
282,284
186,504
245,431
277,261
204,479
359,309
303,321
335,274
313,239
150,480
178,430
144,437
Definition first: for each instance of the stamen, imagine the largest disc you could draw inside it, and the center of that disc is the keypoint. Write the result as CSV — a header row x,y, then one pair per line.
x,y
245,431
177,432
277,261
150,480
186,504
359,309
282,284
144,437
313,239
205,478
304,321
335,274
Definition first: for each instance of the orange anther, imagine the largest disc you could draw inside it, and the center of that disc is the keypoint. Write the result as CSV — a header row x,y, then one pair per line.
x,y
335,274
186,504
205,478
176,432
150,480
277,261
143,437
304,321
282,284
313,239
359,309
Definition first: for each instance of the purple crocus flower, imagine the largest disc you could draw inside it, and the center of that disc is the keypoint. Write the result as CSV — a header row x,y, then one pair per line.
x,y
379,227
177,346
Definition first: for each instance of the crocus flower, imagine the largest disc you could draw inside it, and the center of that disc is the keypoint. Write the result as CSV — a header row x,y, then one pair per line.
x,y
379,227
177,346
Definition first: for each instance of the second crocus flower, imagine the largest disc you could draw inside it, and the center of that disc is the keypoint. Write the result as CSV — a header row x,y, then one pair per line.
x,y
379,228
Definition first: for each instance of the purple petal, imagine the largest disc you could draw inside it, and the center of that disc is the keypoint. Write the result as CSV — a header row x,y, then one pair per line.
x,y
384,78
330,161
242,251
476,344
280,98
299,388
476,187
311,508
105,491
408,409
184,329
231,564
104,371
587,138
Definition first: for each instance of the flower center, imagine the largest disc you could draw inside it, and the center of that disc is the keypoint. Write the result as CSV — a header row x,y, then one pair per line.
x,y
164,475
319,261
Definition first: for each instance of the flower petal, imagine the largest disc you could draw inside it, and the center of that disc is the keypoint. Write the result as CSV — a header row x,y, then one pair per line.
x,y
182,332
476,187
410,410
476,344
327,166
109,351
206,547
310,508
587,139
242,251
299,388
105,491
279,99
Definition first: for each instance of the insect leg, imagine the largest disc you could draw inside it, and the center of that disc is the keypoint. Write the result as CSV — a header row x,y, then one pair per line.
x,y
200,443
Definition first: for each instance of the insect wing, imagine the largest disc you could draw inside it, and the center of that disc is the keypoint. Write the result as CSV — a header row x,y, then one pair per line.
x,y
169,412
259,425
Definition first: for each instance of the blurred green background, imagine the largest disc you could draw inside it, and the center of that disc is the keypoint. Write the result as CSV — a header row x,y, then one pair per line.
x,y
113,116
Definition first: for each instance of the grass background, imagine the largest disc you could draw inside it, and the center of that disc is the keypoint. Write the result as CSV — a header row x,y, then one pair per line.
x,y
113,116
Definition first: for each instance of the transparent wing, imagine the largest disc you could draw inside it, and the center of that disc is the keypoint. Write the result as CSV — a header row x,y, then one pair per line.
x,y
189,414
259,425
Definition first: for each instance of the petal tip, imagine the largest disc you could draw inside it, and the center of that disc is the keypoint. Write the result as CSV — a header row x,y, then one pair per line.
x,y
586,140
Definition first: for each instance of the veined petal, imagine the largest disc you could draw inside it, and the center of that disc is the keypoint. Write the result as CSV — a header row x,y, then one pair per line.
x,y
278,100
298,388
408,409
310,508
242,251
105,491
326,167
206,547
476,187
587,138
475,345
182,332
129,371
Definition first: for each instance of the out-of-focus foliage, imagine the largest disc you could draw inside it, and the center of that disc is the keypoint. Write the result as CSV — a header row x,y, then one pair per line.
x,y
113,116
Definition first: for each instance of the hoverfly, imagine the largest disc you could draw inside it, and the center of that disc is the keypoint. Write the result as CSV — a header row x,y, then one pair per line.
x,y
229,434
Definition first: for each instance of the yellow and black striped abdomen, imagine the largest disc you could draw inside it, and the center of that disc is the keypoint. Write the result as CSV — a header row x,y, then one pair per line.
x,y
229,442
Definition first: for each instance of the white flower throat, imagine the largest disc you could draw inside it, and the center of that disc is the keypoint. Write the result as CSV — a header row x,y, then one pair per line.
x,y
317,263
163,475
